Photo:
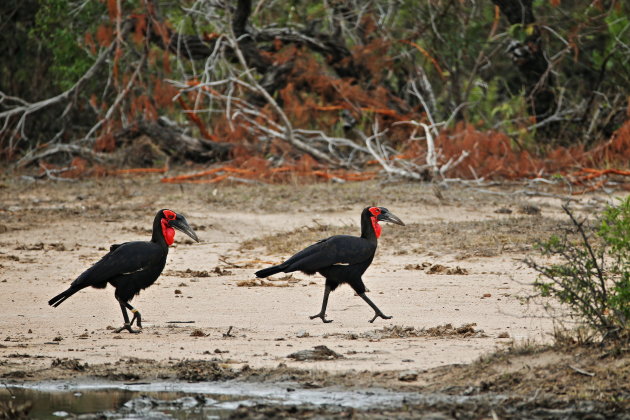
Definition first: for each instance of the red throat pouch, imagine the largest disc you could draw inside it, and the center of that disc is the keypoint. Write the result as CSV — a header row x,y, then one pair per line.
x,y
376,226
168,232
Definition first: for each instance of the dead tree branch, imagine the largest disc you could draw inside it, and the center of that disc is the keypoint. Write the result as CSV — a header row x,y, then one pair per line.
x,y
26,109
71,149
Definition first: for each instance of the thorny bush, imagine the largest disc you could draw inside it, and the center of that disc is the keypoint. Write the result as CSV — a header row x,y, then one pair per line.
x,y
590,272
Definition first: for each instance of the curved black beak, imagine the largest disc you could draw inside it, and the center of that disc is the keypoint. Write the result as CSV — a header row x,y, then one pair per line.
x,y
387,216
180,223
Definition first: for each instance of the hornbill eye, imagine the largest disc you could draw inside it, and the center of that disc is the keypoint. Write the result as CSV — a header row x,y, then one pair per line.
x,y
375,211
170,215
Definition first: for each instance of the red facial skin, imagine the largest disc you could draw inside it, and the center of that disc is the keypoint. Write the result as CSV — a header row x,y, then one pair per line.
x,y
167,230
377,228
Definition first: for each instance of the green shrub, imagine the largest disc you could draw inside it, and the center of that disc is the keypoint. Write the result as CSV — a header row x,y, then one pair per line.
x,y
590,272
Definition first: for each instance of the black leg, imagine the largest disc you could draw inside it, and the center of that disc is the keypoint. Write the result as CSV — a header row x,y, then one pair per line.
x,y
322,313
377,311
128,324
136,315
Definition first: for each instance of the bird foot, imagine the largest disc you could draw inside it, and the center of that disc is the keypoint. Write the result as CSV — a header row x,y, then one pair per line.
x,y
138,323
379,314
128,328
322,316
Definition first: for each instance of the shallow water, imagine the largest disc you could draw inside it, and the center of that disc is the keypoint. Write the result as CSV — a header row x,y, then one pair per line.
x,y
212,400
53,400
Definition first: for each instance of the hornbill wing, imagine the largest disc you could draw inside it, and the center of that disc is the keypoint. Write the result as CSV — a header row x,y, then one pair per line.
x,y
122,259
113,247
339,249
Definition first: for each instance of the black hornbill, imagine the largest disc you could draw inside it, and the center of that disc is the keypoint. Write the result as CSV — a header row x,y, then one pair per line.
x,y
341,258
132,266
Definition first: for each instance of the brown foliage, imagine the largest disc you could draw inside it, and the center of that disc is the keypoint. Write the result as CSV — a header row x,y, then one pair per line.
x,y
139,28
494,156
89,42
105,143
615,151
374,59
112,9
104,35
491,154
163,93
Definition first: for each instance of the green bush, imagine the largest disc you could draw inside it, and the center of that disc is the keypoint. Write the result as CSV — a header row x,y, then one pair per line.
x,y
590,272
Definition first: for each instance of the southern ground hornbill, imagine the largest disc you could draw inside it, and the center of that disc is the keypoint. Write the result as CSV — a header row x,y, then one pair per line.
x,y
132,266
341,258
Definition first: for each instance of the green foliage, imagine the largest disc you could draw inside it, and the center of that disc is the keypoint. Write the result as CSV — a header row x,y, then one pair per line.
x,y
520,32
615,231
584,46
62,26
592,277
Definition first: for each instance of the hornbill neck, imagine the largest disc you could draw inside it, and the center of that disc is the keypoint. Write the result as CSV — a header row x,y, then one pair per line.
x,y
158,231
367,226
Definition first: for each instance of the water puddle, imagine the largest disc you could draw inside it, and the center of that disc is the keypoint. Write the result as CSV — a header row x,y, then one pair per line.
x,y
174,400
213,400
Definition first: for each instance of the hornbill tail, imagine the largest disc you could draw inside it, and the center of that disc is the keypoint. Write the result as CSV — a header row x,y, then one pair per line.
x,y
57,300
266,272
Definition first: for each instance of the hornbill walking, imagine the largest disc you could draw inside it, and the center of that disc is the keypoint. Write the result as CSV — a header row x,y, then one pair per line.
x,y
132,266
341,258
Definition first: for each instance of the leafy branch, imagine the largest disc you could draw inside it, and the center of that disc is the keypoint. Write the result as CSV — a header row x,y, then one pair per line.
x,y
590,275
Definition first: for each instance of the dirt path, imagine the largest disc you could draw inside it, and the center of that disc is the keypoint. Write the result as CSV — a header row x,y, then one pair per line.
x,y
52,232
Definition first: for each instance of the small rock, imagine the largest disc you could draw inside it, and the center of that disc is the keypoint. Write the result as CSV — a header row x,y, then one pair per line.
x,y
302,334
436,268
69,364
317,353
504,334
197,333
408,375
530,209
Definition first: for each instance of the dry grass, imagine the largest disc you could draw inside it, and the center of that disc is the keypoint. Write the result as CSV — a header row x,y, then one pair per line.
x,y
318,198
487,238
285,281
188,273
287,243
399,331
437,269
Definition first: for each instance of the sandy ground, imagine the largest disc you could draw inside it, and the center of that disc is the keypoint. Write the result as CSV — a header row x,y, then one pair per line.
x,y
51,232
